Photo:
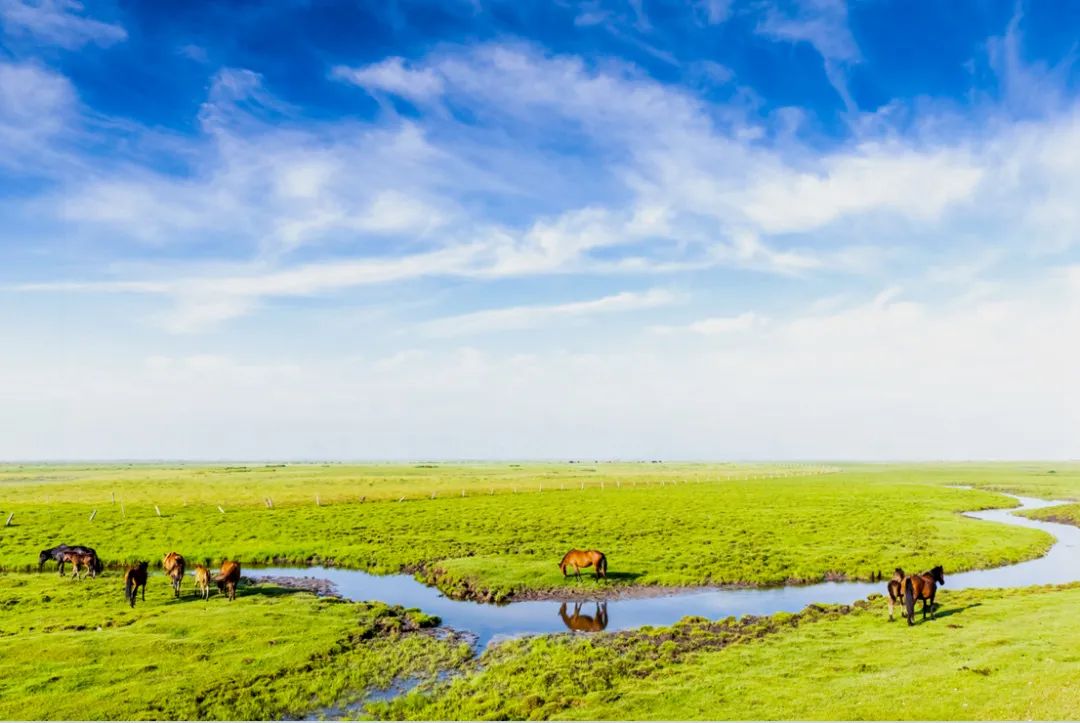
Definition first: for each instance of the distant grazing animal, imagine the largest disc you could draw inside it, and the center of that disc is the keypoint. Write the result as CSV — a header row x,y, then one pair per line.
x,y
174,569
895,592
134,578
585,623
87,560
202,581
921,587
230,575
57,553
584,558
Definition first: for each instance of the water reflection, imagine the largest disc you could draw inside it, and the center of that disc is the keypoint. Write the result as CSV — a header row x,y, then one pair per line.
x,y
579,622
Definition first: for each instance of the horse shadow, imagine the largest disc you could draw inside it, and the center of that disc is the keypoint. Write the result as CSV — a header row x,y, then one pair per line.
x,y
942,612
623,576
948,612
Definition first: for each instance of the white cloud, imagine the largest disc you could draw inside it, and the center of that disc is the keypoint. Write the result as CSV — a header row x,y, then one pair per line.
x,y
392,76
57,22
527,317
717,325
890,378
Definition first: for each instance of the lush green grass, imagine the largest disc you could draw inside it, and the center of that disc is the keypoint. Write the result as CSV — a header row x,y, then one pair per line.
x,y
1012,654
142,486
75,650
671,531
72,649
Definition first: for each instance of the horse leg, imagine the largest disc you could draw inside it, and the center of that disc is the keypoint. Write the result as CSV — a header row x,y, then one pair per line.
x,y
932,604
577,572
892,604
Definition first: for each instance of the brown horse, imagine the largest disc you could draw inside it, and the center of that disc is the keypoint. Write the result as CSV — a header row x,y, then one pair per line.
x,y
585,623
921,587
584,558
230,575
174,570
134,578
202,581
895,592
87,560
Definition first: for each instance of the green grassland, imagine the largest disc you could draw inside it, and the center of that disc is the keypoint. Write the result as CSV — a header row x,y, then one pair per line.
x,y
1009,654
74,650
659,524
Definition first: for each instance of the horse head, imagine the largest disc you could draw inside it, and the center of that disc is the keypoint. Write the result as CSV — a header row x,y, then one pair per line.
x,y
938,573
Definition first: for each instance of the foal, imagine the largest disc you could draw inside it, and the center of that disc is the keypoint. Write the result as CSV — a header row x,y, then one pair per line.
x,y
202,581
87,560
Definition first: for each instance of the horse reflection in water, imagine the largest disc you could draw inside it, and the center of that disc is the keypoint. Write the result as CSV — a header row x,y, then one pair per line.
x,y
585,623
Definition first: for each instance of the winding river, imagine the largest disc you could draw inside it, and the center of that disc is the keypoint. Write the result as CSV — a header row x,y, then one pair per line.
x,y
491,623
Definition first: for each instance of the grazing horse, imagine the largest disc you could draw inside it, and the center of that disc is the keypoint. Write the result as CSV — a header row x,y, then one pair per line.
x,y
174,569
202,581
57,553
134,578
921,587
230,575
895,593
584,558
585,623
87,560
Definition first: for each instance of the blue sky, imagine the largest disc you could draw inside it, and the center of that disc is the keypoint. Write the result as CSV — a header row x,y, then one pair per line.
x,y
710,230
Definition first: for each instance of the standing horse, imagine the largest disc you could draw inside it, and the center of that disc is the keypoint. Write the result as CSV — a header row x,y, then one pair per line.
x,y
202,581
230,575
584,558
134,578
895,592
585,623
174,570
87,560
57,553
921,587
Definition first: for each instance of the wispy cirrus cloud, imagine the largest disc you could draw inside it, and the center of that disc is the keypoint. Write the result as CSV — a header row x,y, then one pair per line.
x,y
527,317
57,22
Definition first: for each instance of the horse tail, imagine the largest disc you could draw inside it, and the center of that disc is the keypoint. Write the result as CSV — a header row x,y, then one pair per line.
x,y
601,565
909,598
128,580
98,566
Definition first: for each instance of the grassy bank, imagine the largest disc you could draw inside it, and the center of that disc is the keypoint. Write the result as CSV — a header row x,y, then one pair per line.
x,y
1008,654
74,650
658,525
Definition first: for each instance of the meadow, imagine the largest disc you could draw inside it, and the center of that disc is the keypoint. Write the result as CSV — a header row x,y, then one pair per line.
x,y
73,649
989,655
754,525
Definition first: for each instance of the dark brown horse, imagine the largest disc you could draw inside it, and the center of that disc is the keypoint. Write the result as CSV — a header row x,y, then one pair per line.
x,y
921,587
134,578
173,563
896,594
230,575
585,623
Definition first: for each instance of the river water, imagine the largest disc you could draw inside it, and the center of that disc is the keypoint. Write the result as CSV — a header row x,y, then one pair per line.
x,y
491,623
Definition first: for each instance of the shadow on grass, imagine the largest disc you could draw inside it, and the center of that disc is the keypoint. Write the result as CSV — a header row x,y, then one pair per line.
x,y
942,613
